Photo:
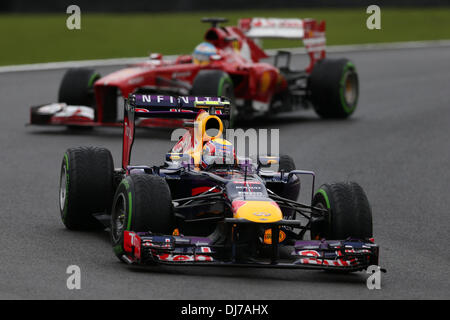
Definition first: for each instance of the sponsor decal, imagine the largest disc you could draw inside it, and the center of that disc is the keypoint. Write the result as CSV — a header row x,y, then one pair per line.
x,y
264,82
170,101
132,244
268,236
273,27
74,111
51,108
180,110
261,214
183,258
183,74
309,253
136,80
314,258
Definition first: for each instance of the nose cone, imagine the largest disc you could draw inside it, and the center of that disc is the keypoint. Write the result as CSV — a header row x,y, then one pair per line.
x,y
257,211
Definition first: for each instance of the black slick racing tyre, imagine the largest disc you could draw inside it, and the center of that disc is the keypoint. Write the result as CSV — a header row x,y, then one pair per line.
x,y
77,87
334,88
215,83
86,186
142,203
286,163
349,216
291,189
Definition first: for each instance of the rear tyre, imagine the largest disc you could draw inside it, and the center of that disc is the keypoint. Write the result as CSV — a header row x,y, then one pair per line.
x,y
141,203
349,216
216,83
286,163
291,189
86,186
334,88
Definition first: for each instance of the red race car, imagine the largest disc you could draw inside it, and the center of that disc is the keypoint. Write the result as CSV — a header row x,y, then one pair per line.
x,y
226,64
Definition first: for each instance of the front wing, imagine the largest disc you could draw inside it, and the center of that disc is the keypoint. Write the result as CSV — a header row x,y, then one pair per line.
x,y
60,114
143,248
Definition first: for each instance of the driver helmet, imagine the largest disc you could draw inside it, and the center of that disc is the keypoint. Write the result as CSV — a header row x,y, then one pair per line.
x,y
218,151
203,52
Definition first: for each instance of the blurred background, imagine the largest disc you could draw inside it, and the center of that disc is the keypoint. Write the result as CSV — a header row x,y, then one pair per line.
x,y
35,31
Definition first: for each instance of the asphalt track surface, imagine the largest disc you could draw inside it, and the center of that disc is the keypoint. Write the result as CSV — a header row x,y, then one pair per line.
x,y
396,146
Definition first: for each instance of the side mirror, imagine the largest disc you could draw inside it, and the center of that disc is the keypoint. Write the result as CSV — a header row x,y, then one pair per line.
x,y
177,157
155,56
267,161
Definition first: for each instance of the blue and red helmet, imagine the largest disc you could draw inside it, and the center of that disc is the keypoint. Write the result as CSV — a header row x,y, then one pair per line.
x,y
203,52
218,151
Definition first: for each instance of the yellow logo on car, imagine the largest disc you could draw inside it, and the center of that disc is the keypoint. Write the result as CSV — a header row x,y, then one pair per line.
x,y
258,211
268,236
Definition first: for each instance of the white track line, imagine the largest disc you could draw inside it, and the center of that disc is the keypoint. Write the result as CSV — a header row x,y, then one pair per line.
x,y
271,52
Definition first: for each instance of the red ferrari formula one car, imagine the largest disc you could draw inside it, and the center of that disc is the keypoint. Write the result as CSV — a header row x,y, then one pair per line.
x,y
206,206
228,63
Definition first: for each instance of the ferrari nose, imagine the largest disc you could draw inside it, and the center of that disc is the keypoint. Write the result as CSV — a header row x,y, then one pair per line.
x,y
261,211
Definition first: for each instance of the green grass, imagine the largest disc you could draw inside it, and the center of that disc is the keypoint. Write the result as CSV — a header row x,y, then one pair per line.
x,y
44,38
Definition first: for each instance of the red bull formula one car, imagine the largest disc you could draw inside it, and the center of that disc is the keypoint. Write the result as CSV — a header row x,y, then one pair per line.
x,y
206,206
228,63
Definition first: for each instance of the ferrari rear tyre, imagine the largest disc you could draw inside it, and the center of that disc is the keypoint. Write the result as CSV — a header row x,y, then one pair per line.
x,y
334,88
142,203
77,87
349,216
215,83
86,186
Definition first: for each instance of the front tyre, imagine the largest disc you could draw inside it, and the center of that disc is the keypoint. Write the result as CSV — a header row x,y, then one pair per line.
x,y
290,189
86,186
287,164
77,87
349,213
142,203
334,88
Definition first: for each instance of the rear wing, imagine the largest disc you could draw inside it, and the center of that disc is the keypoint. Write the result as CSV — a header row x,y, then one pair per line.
x,y
183,107
166,107
310,31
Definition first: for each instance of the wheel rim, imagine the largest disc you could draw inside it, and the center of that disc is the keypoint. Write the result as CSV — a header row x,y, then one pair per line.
x,y
350,89
63,188
118,221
